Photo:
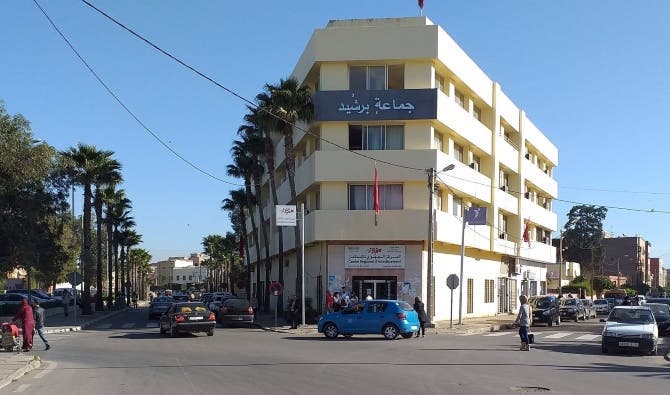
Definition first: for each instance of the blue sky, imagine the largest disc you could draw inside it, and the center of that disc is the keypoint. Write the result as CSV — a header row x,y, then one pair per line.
x,y
591,75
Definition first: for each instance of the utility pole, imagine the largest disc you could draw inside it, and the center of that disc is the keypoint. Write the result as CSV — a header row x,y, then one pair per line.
x,y
560,264
429,283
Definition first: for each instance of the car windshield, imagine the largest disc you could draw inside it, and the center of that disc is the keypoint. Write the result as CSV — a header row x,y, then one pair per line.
x,y
631,316
569,302
541,303
164,299
600,301
237,303
186,308
659,309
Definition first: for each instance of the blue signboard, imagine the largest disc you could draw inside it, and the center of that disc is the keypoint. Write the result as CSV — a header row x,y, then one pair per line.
x,y
383,105
476,216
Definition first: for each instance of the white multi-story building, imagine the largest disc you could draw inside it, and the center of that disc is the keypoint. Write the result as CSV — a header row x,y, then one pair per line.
x,y
181,270
403,94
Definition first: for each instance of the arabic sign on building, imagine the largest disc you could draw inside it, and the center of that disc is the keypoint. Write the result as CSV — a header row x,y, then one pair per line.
x,y
375,105
285,215
374,257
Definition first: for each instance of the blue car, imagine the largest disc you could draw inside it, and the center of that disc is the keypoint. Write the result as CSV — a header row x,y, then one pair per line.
x,y
389,318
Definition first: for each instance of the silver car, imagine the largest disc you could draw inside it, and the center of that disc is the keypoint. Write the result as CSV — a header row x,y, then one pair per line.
x,y
602,306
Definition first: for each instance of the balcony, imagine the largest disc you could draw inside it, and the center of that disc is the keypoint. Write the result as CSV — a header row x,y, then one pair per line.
x,y
465,125
465,179
507,153
538,214
538,251
448,230
507,201
540,179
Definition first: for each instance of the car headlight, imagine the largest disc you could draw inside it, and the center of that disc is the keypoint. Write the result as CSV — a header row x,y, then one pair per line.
x,y
647,336
609,333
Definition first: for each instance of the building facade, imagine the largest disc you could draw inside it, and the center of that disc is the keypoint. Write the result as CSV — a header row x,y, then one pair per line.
x,y
628,257
399,97
180,270
657,272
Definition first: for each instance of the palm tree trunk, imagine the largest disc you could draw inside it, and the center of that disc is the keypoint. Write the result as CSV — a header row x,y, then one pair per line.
x,y
243,224
110,255
116,262
266,242
269,161
290,171
254,234
88,259
98,221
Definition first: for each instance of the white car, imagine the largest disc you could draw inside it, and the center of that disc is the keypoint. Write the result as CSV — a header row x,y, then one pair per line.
x,y
631,328
602,306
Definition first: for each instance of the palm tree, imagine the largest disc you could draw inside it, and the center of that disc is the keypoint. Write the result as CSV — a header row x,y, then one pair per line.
x,y
253,143
112,199
243,169
236,205
117,217
85,163
290,103
128,238
108,175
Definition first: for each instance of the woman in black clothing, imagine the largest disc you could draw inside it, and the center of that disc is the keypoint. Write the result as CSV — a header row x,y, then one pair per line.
x,y
423,317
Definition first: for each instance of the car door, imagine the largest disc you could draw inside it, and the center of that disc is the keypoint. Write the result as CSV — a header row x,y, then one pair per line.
x,y
351,319
375,316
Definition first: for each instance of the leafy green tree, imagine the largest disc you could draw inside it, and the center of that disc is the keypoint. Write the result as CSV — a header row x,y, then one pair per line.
x,y
583,234
601,283
236,207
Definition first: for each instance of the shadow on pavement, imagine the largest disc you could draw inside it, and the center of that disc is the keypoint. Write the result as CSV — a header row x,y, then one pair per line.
x,y
138,336
511,348
340,338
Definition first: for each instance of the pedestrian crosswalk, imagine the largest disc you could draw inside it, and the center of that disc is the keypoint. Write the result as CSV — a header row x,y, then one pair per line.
x,y
552,336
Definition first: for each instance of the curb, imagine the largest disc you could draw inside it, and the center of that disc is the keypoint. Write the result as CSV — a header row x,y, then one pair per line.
x,y
31,365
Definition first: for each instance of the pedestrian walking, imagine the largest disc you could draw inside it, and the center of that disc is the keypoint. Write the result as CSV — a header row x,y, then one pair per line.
x,y
25,315
295,312
336,302
353,300
524,319
423,317
39,317
66,302
135,297
329,302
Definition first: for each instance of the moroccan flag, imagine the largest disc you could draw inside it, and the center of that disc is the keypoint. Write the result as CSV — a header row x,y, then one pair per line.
x,y
421,4
375,194
526,232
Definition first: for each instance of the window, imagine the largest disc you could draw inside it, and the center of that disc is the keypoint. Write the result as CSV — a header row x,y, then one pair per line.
x,y
377,77
377,307
190,278
441,85
437,203
317,200
477,113
457,207
471,295
460,98
488,291
437,141
502,226
543,287
390,197
458,152
376,137
476,162
504,181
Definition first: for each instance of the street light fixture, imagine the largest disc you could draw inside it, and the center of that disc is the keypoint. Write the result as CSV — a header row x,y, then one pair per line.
x,y
430,294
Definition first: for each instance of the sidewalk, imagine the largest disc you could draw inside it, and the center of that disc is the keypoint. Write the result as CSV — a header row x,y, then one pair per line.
x,y
266,321
13,365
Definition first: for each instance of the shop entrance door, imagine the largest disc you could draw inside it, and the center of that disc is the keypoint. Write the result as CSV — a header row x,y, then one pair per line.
x,y
384,287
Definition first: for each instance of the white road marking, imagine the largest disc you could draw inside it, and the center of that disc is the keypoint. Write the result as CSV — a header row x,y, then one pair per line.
x,y
152,324
103,326
496,334
588,337
22,387
128,325
558,335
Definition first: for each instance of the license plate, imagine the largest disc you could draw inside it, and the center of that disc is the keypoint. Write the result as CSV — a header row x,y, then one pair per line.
x,y
414,327
195,318
628,344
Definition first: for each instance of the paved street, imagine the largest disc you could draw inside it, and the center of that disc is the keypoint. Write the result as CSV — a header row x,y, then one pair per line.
x,y
126,355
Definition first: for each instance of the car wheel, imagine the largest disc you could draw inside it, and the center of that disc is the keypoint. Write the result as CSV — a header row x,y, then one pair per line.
x,y
390,331
576,318
604,349
160,328
330,330
558,321
407,335
550,323
210,332
173,331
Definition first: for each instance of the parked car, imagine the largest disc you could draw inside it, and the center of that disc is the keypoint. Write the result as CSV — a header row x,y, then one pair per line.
x,y
39,296
659,300
545,310
181,298
389,318
631,328
589,308
160,305
602,306
187,317
572,308
11,298
661,313
206,298
218,299
235,311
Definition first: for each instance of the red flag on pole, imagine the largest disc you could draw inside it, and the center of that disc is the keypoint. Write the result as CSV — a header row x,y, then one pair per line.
x,y
421,4
526,233
375,194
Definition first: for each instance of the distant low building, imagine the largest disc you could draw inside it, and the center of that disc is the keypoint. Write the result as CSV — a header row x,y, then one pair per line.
x,y
571,270
180,270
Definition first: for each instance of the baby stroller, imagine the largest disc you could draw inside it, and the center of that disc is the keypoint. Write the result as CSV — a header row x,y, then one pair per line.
x,y
10,337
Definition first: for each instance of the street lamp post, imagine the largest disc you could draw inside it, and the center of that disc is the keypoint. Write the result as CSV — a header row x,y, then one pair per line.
x,y
430,296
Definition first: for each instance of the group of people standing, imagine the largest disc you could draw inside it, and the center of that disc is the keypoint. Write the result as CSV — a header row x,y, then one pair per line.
x,y
32,320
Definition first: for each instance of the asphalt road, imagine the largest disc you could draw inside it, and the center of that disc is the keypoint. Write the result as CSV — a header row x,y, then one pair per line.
x,y
126,355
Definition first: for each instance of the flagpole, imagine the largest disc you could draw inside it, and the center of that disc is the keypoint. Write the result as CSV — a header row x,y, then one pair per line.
x,y
460,287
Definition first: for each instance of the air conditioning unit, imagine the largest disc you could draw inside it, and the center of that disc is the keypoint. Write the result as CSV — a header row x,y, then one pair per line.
x,y
503,235
545,205
516,269
503,188
546,240
526,195
474,166
527,155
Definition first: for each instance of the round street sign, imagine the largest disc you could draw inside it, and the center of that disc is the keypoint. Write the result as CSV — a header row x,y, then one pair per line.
x,y
74,278
276,288
452,281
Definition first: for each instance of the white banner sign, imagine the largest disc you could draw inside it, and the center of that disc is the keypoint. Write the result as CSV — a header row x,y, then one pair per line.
x,y
285,215
374,257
